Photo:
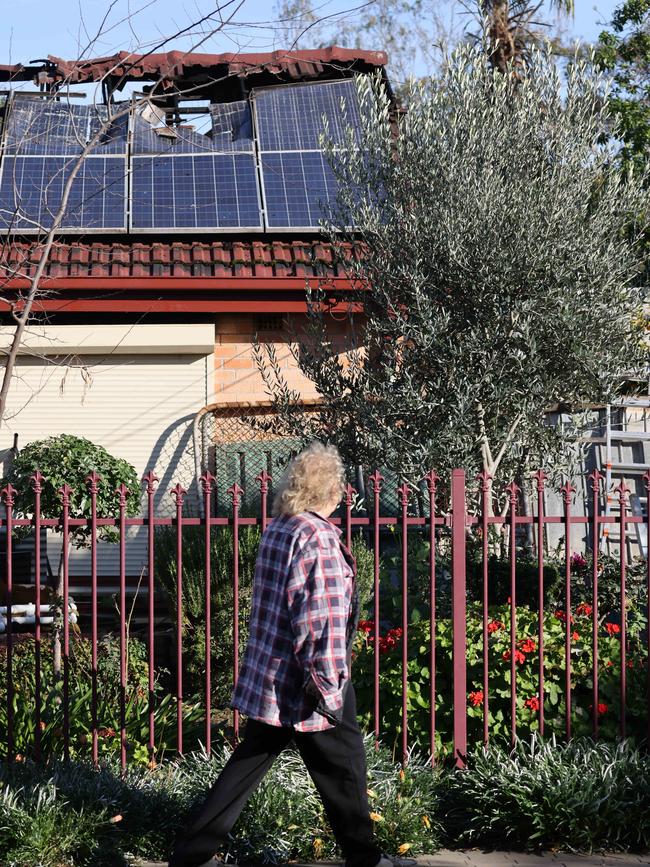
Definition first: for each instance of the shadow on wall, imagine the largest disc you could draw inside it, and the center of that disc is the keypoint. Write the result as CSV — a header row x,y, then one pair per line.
x,y
172,461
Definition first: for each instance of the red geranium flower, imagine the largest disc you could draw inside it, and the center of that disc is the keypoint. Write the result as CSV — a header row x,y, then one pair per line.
x,y
495,626
612,628
602,708
584,609
519,656
532,703
476,698
575,636
527,645
366,625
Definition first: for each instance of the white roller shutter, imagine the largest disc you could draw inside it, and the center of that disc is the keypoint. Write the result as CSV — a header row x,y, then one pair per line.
x,y
138,406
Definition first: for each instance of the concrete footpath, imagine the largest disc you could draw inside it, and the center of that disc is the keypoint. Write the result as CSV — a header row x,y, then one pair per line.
x,y
479,858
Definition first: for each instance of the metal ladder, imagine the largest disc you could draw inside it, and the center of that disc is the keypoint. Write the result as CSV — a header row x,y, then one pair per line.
x,y
625,456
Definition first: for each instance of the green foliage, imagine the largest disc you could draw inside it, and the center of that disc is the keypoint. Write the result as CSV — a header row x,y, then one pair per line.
x,y
37,826
283,820
68,459
503,267
625,52
578,797
221,598
541,795
499,648
80,697
365,560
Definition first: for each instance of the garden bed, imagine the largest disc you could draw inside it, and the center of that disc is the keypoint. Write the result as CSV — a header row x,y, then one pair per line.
x,y
579,797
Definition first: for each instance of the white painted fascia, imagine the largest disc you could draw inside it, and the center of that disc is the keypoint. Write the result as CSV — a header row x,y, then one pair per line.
x,y
194,339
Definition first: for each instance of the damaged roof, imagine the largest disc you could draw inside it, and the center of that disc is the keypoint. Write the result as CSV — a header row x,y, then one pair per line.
x,y
174,68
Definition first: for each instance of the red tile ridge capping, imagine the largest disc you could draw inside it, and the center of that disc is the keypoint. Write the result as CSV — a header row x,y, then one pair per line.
x,y
222,256
160,258
31,256
282,259
201,254
100,258
251,258
121,260
181,259
141,258
12,257
17,254
59,261
201,260
79,257
242,260
160,254
302,257
263,259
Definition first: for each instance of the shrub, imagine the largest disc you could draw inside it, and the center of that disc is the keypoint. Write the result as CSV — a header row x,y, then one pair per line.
x,y
418,671
80,696
283,820
38,826
578,796
67,460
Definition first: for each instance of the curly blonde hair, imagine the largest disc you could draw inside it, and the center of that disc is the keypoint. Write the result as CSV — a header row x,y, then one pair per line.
x,y
313,479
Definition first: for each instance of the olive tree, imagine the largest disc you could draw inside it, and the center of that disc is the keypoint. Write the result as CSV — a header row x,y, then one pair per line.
x,y
497,269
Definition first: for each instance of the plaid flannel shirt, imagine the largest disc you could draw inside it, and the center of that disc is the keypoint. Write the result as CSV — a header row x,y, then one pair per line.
x,y
301,625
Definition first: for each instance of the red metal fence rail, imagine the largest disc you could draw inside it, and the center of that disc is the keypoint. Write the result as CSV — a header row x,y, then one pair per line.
x,y
456,526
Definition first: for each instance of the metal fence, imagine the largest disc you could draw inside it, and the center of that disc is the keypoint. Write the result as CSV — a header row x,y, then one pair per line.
x,y
447,533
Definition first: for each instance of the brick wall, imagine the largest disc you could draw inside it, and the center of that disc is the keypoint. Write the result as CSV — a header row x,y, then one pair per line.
x,y
236,375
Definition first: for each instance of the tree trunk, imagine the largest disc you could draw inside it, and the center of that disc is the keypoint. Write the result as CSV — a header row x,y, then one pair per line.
x,y
59,615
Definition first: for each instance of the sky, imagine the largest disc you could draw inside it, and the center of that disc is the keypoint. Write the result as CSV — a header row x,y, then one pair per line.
x,y
35,28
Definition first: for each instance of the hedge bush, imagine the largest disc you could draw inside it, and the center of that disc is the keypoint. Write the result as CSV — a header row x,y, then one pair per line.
x,y
579,796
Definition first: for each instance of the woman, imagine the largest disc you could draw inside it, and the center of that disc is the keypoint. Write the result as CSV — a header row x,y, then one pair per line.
x,y
294,683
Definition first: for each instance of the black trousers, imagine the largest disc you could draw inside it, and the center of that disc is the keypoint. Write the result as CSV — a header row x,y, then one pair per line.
x,y
336,762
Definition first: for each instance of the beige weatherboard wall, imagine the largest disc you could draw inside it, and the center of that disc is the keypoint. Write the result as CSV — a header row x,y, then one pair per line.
x,y
133,389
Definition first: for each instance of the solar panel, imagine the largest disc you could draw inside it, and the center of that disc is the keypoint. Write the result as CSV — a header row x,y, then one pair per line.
x,y
297,186
291,118
195,191
31,190
44,138
113,140
297,180
46,127
179,180
232,131
232,127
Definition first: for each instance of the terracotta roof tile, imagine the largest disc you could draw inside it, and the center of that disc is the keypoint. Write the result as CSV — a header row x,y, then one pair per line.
x,y
255,258
174,66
